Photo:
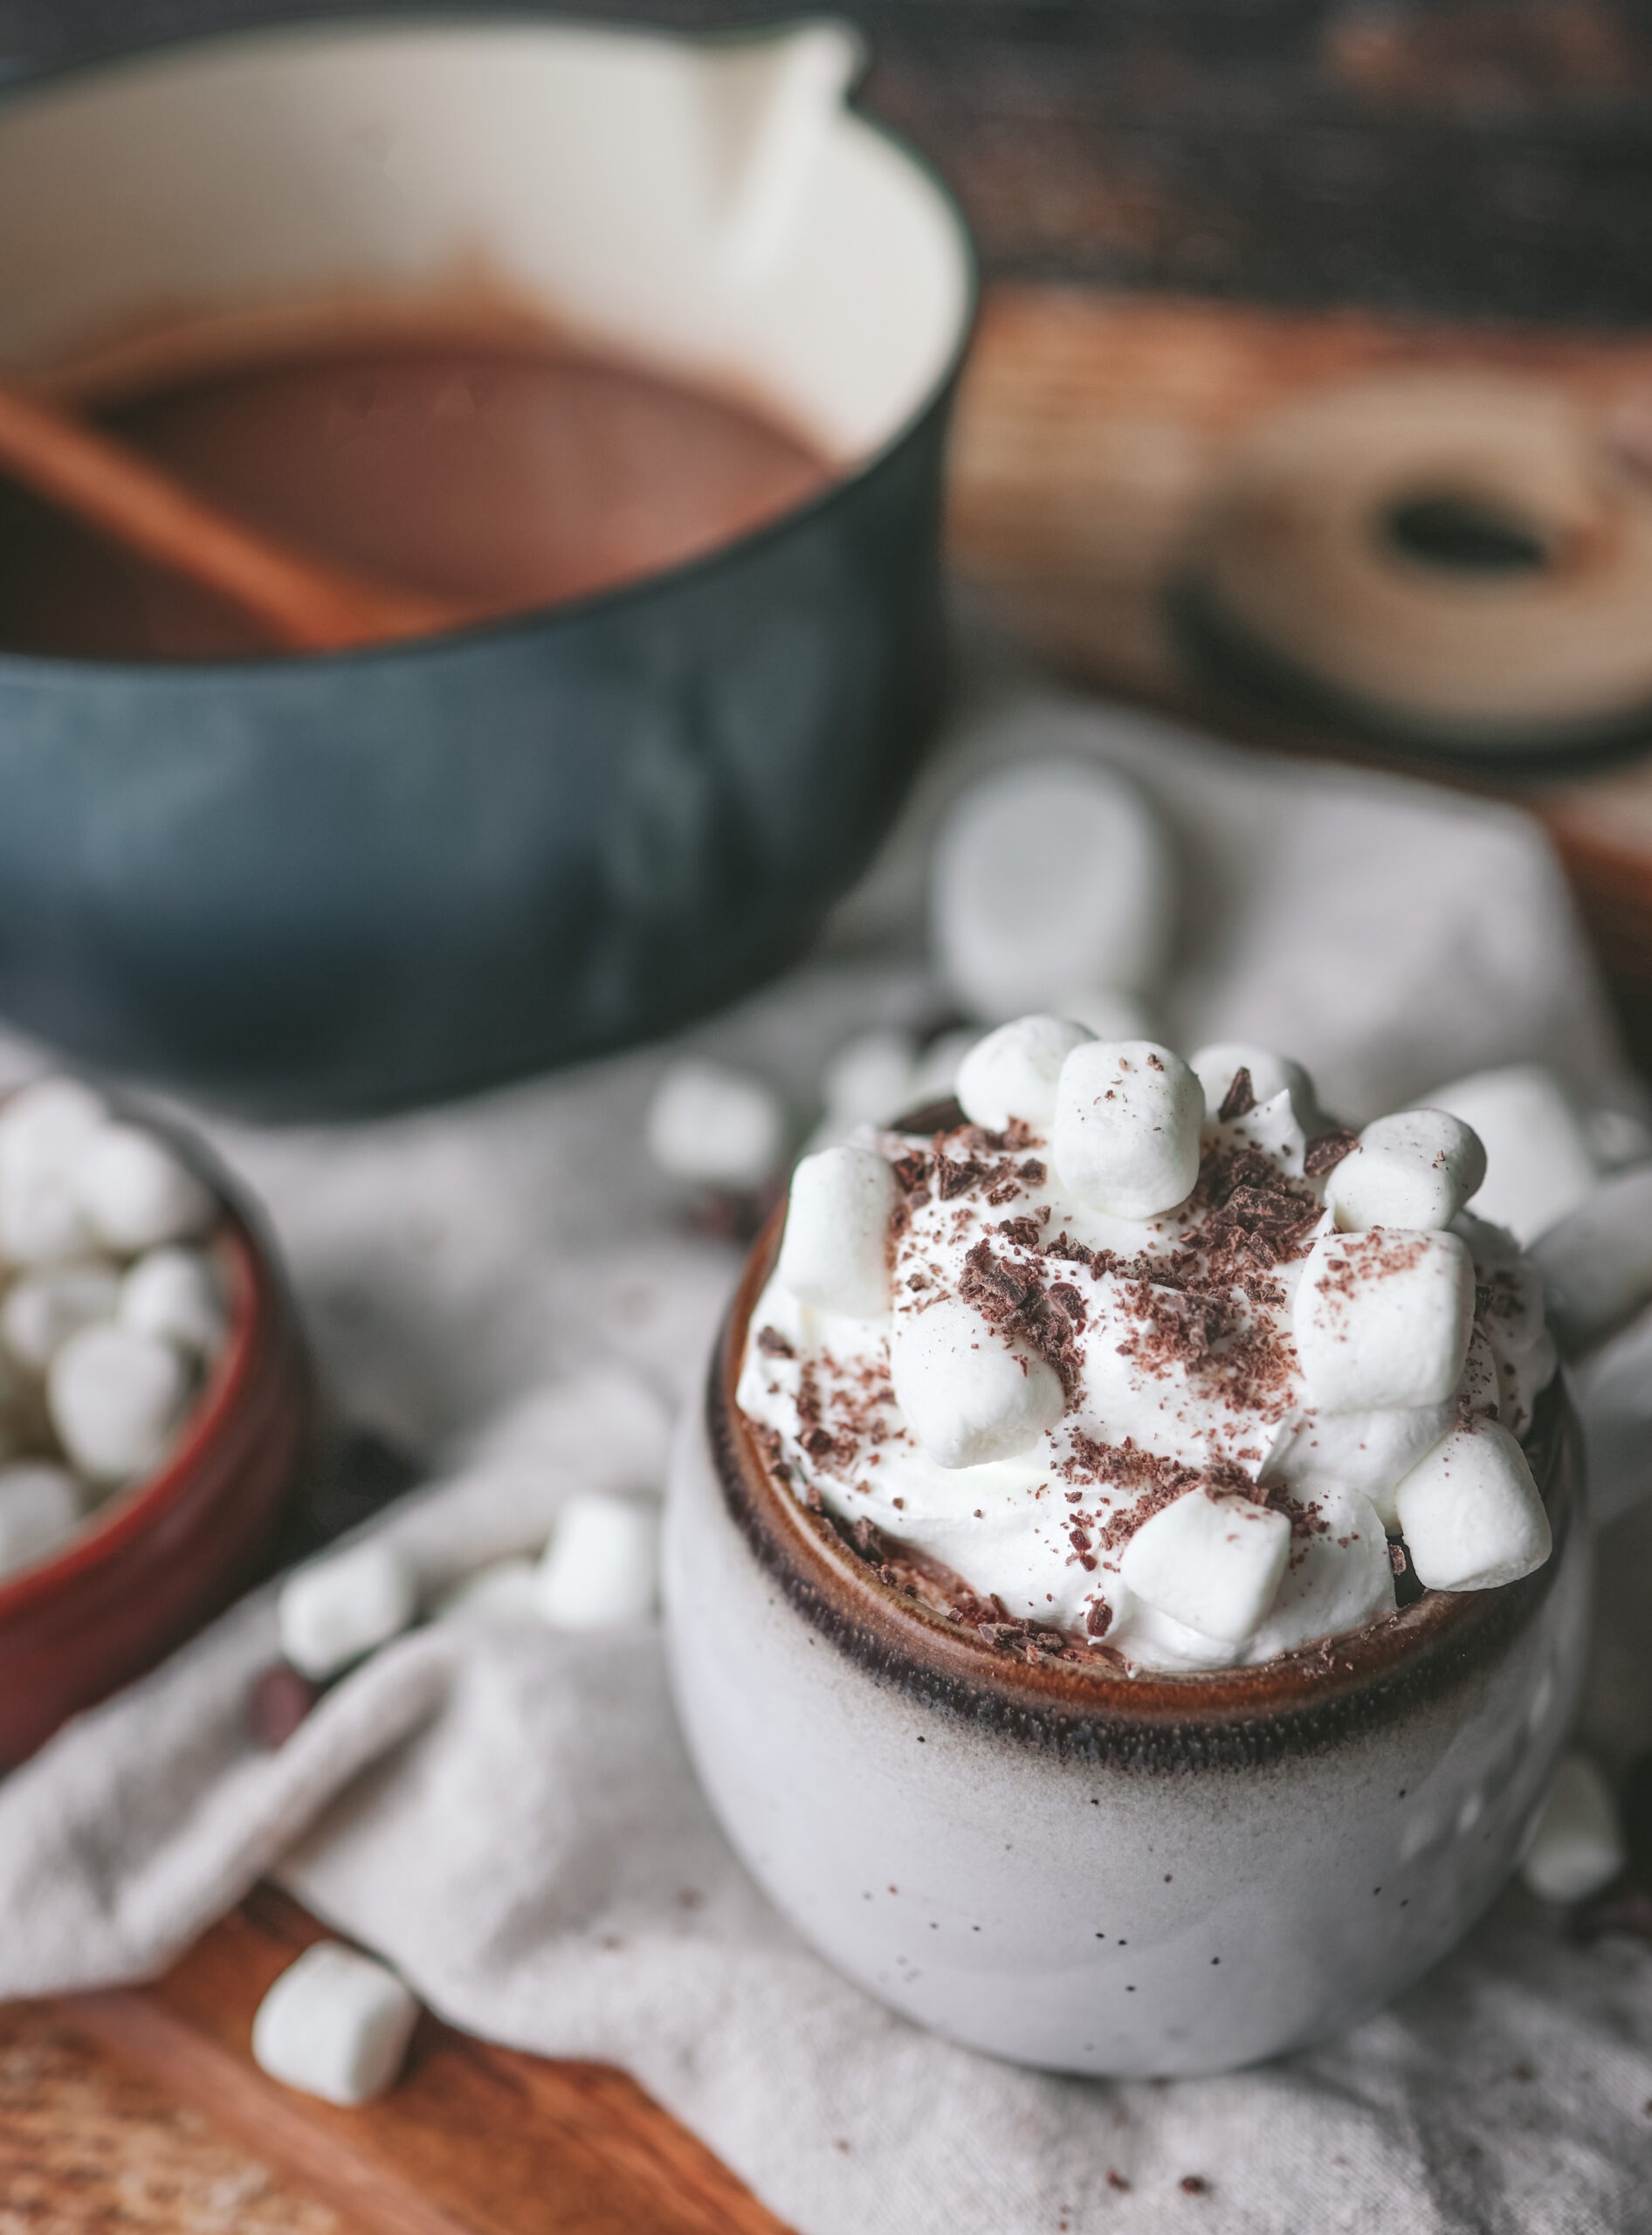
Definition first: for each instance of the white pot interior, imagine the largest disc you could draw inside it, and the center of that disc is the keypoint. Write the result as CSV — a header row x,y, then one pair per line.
x,y
710,207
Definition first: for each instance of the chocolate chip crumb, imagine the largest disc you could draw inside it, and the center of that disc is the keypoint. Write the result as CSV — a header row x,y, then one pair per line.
x,y
1326,1152
1239,1099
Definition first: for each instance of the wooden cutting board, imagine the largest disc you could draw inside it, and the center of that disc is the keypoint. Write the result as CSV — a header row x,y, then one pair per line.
x,y
474,2140
1093,428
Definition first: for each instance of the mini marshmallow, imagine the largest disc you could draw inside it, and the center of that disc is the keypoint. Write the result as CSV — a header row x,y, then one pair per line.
x,y
715,1126
1212,1563
1045,876
134,1192
43,1129
1125,1136
42,1309
969,1397
338,1608
1218,1066
503,1592
40,1510
1577,1844
1383,1319
174,1293
1470,1513
1539,1165
114,1398
835,1252
1415,1169
602,1565
336,2024
1324,1454
1013,1072
1342,1580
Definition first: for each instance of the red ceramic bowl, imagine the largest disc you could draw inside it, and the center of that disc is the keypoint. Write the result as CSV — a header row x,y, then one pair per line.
x,y
165,1554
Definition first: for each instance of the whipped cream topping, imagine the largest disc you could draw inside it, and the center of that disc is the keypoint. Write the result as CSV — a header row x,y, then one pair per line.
x,y
1171,1340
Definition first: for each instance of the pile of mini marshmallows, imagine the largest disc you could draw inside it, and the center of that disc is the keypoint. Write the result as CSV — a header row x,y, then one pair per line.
x,y
111,1308
1382,1319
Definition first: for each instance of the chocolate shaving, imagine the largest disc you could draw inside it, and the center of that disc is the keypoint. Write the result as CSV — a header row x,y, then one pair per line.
x,y
1016,1304
1239,1099
1327,1151
774,1345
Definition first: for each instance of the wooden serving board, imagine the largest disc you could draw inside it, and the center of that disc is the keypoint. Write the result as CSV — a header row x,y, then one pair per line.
x,y
474,2140
1093,428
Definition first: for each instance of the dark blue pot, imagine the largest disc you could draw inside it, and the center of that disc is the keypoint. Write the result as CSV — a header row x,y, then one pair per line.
x,y
320,883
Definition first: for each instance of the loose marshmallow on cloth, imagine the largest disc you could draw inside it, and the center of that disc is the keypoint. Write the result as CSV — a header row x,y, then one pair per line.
x,y
1539,1164
1470,1513
1383,1319
968,1395
835,1251
1125,1136
602,1565
342,1605
715,1125
1577,1844
336,2023
1212,1563
1046,877
1417,1168
39,1511
1014,1071
136,1193
114,1397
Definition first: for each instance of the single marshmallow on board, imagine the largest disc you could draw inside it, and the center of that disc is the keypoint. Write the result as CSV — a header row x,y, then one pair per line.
x,y
1539,1164
114,1398
835,1252
1470,1513
1013,1072
503,1592
1383,1319
339,1607
44,1309
1212,1563
135,1193
45,1128
1125,1136
1217,1069
1417,1168
174,1293
1046,877
602,1565
968,1396
336,2024
40,1510
715,1126
1576,1846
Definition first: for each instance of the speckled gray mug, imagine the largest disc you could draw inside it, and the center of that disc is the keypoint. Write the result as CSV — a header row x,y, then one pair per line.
x,y
1088,1872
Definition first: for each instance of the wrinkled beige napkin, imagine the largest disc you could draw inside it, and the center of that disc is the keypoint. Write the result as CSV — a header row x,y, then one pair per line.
x,y
508,1815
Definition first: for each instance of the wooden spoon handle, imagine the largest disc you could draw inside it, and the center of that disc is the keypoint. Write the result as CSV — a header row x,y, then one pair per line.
x,y
305,603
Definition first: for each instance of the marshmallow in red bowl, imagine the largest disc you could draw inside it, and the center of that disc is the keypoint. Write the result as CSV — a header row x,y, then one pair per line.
x,y
1171,1504
154,1400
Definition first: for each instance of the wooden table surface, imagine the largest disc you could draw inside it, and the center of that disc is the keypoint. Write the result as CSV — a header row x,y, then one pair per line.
x,y
1090,428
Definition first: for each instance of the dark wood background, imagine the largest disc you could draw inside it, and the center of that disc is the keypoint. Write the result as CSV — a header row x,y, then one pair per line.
x,y
1472,158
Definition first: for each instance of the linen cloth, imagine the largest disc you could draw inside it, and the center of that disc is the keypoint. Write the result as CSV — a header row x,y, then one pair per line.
x,y
508,1814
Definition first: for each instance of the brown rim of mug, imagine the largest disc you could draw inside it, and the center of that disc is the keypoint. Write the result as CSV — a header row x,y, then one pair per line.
x,y
1298,1703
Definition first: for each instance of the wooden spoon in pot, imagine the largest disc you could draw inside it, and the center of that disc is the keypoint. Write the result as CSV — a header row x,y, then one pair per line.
x,y
303,603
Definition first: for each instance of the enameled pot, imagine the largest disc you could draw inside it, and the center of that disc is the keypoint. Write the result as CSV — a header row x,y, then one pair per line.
x,y
166,1553
1083,1871
369,877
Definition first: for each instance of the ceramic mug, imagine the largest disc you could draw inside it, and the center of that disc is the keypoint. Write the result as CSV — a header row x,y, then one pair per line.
x,y
1085,1871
